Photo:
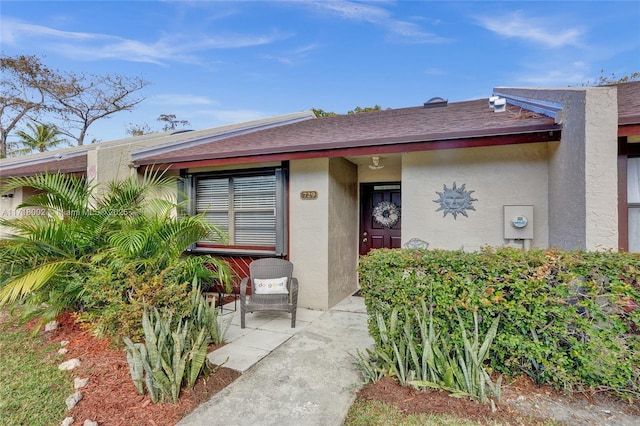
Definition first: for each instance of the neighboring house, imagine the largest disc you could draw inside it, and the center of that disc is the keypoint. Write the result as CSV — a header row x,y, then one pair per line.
x,y
525,168
105,161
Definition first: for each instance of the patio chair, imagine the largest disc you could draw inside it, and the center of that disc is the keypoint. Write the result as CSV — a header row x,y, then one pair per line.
x,y
272,287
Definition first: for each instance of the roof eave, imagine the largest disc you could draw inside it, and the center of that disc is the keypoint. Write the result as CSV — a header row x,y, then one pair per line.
x,y
368,147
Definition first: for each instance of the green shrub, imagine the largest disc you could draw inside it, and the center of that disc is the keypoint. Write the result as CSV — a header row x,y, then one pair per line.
x,y
174,352
569,318
115,299
116,292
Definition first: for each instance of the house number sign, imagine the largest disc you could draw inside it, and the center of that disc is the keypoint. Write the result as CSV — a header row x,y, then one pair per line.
x,y
308,195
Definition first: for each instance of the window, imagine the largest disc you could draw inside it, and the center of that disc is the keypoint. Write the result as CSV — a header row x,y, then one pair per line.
x,y
249,206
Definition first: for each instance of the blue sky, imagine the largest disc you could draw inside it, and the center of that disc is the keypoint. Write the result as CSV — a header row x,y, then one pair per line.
x,y
215,63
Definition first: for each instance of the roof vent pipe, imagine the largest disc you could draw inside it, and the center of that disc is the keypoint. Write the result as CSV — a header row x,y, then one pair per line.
x,y
436,102
492,100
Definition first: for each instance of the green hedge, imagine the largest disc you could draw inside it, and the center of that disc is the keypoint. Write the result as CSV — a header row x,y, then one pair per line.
x,y
568,318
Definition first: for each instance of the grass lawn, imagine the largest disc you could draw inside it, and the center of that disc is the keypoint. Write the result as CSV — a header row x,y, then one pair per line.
x,y
373,413
32,388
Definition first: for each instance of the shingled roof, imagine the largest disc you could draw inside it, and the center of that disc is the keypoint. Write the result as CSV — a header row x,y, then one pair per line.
x,y
51,164
74,159
452,125
629,103
469,123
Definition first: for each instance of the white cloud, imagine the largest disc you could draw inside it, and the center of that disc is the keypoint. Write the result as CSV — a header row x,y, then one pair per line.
x,y
399,30
95,46
281,59
180,99
292,57
538,30
410,32
354,11
554,78
13,31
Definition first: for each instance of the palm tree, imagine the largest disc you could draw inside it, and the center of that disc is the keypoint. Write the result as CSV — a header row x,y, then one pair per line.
x,y
41,138
78,231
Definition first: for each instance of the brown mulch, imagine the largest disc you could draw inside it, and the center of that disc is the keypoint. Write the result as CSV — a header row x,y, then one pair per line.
x,y
412,401
110,397
522,403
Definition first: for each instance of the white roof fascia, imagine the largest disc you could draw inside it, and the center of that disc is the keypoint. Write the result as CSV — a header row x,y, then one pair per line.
x,y
53,156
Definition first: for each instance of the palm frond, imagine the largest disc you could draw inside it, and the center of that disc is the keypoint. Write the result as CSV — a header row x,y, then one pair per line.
x,y
30,281
134,193
57,192
49,236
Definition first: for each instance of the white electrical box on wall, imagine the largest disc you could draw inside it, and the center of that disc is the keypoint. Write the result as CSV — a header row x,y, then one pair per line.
x,y
518,222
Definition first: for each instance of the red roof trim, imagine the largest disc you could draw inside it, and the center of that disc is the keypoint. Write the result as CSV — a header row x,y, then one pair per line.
x,y
398,144
546,136
629,130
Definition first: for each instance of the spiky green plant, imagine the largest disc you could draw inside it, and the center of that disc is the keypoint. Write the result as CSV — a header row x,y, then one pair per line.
x,y
174,352
419,355
206,317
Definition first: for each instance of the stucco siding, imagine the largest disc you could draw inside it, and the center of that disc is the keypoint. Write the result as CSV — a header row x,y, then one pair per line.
x,y
8,207
583,169
601,169
498,176
309,231
392,172
343,229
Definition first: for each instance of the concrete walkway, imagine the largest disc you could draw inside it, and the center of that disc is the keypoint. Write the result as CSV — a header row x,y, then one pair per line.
x,y
302,376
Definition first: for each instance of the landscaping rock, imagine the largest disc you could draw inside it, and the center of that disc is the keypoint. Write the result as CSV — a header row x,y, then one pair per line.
x,y
90,423
70,365
68,421
62,351
73,400
51,325
80,383
64,343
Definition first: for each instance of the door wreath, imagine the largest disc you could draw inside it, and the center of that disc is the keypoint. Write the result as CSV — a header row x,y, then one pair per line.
x,y
386,213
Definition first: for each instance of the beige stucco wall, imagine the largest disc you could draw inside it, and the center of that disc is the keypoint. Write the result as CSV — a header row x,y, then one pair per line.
x,y
498,176
392,172
9,207
108,164
583,195
343,230
309,231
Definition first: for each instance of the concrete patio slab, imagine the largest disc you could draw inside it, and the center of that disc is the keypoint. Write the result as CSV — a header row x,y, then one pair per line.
x,y
310,379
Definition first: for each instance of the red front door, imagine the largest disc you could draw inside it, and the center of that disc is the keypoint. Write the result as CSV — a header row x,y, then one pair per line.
x,y
380,216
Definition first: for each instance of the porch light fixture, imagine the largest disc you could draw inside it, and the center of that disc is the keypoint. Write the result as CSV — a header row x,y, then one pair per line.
x,y
376,163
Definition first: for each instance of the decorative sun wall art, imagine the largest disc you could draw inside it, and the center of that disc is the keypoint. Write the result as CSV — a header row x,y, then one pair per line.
x,y
386,213
455,200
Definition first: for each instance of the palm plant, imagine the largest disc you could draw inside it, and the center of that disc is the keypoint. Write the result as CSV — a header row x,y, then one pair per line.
x,y
41,138
83,229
